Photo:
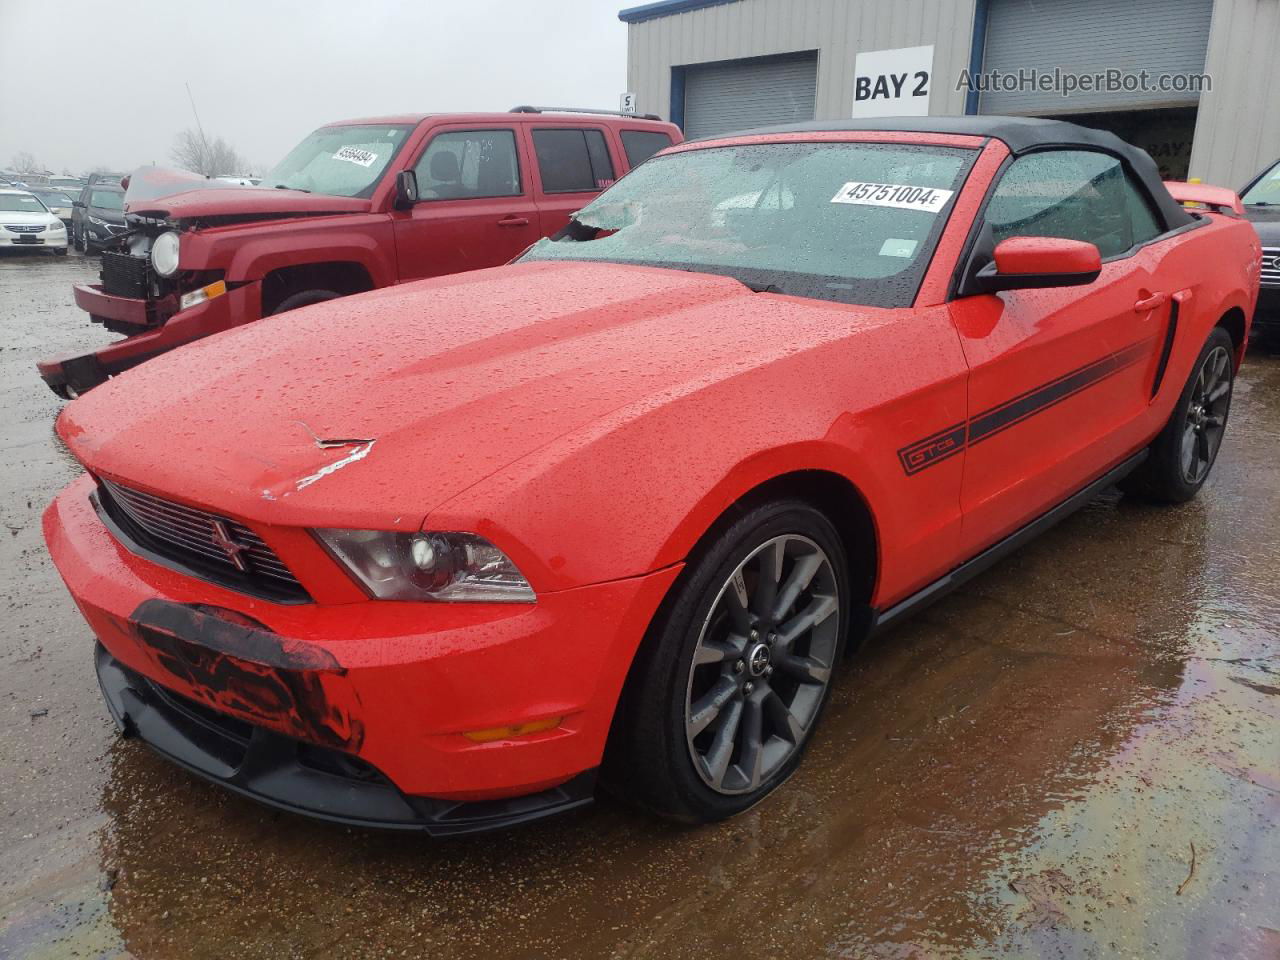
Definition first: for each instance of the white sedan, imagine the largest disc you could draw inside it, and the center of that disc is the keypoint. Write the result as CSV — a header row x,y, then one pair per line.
x,y
26,222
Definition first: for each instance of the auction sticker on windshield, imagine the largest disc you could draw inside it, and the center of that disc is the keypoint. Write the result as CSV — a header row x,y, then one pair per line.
x,y
356,155
902,196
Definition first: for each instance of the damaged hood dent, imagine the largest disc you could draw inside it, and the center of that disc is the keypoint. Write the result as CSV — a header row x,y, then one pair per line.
x,y
163,193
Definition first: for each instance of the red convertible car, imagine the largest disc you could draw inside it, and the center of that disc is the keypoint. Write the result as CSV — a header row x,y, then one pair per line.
x,y
432,556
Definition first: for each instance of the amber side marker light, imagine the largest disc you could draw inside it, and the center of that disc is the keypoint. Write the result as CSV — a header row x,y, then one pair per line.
x,y
189,300
519,730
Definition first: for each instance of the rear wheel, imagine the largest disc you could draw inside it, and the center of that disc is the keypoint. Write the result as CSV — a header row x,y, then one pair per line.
x,y
304,299
1183,454
734,678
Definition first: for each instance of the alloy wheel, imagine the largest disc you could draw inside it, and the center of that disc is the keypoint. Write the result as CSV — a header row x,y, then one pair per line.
x,y
1206,415
762,664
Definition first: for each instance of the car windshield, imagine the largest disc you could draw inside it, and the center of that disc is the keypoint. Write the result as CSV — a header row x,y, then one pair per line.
x,y
852,222
20,203
340,161
54,198
107,199
1266,192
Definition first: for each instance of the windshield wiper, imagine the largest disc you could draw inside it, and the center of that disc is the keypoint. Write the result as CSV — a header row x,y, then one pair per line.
x,y
285,186
761,287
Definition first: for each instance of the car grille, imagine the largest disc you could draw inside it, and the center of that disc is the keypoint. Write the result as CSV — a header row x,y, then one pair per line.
x,y
126,276
194,539
25,228
1271,266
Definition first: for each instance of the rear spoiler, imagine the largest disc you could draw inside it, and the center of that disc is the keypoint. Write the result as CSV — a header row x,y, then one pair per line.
x,y
1217,199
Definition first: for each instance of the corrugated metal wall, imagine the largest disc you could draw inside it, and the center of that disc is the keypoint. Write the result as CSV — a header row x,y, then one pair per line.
x,y
837,29
1238,127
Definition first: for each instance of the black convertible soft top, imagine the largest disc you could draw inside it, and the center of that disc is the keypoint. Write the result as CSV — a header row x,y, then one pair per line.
x,y
1020,135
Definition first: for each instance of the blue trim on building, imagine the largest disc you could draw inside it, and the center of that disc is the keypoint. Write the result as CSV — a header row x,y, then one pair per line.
x,y
977,51
665,8
677,97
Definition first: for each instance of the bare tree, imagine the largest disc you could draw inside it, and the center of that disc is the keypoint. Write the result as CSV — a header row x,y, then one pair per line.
x,y
25,162
211,158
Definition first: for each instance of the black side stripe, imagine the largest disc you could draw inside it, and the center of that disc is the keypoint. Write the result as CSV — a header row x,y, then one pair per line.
x,y
947,443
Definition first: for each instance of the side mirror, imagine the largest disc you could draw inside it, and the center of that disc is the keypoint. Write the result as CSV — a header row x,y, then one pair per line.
x,y
1023,263
76,203
406,189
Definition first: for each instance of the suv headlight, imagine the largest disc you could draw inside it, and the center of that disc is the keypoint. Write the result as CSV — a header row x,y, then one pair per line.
x,y
445,567
164,253
97,223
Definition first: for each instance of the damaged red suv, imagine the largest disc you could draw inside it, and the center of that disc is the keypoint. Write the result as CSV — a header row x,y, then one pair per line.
x,y
356,205
431,556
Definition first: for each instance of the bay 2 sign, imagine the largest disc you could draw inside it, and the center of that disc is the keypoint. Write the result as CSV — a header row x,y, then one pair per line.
x,y
893,83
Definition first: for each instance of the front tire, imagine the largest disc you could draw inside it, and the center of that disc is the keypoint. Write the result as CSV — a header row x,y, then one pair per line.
x,y
732,680
304,299
1183,454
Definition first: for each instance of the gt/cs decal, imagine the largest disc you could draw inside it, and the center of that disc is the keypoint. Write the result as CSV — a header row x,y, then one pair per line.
x,y
947,443
927,452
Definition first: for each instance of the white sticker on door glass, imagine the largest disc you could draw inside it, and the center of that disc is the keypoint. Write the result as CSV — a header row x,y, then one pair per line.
x,y
900,195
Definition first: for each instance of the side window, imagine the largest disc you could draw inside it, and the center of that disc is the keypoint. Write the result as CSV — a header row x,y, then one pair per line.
x,y
572,161
640,145
469,164
1074,194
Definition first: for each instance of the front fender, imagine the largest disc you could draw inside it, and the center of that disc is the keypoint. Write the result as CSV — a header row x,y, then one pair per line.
x,y
636,490
250,253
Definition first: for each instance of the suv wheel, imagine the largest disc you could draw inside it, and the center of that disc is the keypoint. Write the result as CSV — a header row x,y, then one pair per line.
x,y
736,672
304,299
1183,454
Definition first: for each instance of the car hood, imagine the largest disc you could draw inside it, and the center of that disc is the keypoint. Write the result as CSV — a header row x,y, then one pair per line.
x,y
180,195
1266,220
21,216
249,202
371,410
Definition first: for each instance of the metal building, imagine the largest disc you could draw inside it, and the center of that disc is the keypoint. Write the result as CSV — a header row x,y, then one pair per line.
x,y
1206,107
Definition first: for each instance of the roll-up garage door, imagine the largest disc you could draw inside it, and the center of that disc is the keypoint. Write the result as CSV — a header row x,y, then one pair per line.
x,y
740,94
1093,36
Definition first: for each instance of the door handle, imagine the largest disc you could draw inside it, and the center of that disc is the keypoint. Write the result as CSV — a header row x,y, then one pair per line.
x,y
1151,302
514,222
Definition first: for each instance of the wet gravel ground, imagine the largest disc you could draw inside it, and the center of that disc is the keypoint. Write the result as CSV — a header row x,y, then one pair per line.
x,y
1030,769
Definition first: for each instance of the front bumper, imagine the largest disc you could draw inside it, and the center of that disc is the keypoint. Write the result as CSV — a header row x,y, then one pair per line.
x,y
1266,316
46,240
148,333
391,686
292,775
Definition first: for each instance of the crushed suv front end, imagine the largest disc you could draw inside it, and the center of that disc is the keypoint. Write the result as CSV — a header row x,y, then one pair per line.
x,y
154,313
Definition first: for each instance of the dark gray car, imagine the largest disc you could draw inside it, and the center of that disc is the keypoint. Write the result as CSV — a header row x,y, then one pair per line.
x,y
1262,206
98,216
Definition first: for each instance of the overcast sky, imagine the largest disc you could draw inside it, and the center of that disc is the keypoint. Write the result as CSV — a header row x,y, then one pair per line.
x,y
87,84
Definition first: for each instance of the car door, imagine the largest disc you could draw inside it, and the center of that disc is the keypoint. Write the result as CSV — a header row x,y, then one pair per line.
x,y
573,165
1059,377
475,206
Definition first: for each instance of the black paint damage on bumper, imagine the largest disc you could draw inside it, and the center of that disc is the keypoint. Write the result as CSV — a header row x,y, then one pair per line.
x,y
315,781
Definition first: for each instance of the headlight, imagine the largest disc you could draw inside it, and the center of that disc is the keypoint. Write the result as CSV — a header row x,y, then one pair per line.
x,y
97,223
446,567
56,225
164,254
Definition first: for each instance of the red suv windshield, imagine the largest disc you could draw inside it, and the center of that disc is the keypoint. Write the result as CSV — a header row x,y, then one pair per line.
x,y
340,161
